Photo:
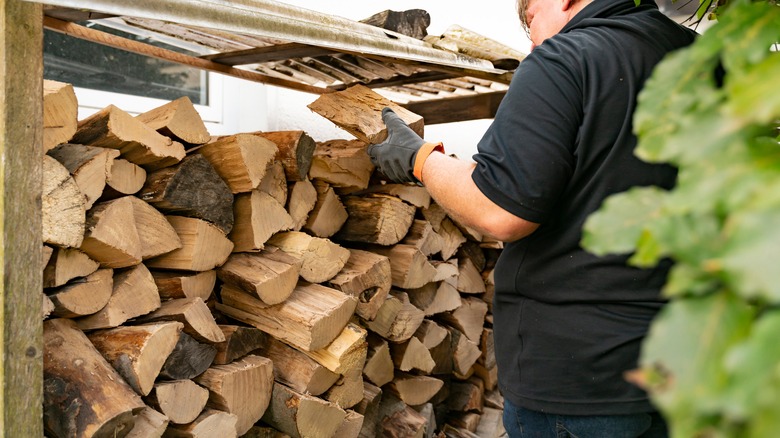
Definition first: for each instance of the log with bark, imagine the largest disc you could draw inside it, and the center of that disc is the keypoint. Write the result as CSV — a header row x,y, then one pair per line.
x,y
342,163
241,160
295,152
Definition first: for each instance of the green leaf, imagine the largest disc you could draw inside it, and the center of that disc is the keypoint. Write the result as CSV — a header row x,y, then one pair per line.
x,y
753,368
753,99
752,255
617,226
683,356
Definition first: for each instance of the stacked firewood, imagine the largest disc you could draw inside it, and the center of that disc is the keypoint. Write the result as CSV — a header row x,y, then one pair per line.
x,y
258,284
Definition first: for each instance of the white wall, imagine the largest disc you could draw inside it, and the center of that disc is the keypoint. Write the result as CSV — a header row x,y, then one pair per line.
x,y
496,19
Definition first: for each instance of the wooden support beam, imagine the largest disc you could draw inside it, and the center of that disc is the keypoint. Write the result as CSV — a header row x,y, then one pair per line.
x,y
21,140
457,109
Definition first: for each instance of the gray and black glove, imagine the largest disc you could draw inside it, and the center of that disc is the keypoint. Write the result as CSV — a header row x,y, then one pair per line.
x,y
401,155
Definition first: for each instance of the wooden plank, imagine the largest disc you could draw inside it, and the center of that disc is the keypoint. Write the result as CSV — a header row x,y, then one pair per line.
x,y
457,109
107,39
277,52
21,377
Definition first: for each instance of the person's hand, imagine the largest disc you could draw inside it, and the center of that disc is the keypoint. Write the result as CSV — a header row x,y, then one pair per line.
x,y
402,155
395,156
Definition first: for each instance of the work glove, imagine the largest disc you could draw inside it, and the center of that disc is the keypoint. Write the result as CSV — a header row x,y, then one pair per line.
x,y
401,155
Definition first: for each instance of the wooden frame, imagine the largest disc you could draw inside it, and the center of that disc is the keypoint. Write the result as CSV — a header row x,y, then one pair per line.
x,y
21,103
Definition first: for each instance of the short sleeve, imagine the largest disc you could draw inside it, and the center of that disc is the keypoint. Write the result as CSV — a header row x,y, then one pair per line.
x,y
525,159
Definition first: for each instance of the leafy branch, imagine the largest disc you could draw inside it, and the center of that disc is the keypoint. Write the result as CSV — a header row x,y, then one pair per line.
x,y
713,110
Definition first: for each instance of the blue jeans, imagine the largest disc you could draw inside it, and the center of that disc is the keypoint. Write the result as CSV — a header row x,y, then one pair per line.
x,y
523,423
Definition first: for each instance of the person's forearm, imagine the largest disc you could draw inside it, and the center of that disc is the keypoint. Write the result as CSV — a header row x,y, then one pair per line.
x,y
449,182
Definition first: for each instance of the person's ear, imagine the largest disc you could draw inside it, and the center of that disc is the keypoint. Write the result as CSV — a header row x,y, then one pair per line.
x,y
567,4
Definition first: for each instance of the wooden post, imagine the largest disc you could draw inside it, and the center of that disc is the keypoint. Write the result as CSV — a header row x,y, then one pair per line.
x,y
21,150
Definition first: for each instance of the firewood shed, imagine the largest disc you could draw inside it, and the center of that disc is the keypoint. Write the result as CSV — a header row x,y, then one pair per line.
x,y
256,40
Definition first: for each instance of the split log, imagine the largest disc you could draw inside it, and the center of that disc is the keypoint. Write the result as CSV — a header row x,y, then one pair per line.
x,y
469,278
342,163
115,129
469,318
435,298
379,219
133,294
82,297
494,399
466,396
65,265
367,277
239,341
412,22
155,233
113,243
328,215
295,152
347,391
464,353
204,246
415,195
47,307
414,390
412,355
172,284
241,160
350,428
397,319
274,182
124,178
321,259
303,198
451,431
452,238
148,424
60,113
488,375
188,359
422,237
409,268
46,253
193,312
211,423
63,206
297,370
443,352
399,420
88,165
446,271
487,346
257,217
379,363
192,188
490,289
426,411
431,334
358,110
301,415
491,424
347,352
178,120
270,275
179,400
369,408
242,388
76,375
137,352
474,252
309,319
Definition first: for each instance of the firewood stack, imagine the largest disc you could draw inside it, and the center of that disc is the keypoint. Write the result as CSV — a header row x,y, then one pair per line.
x,y
258,284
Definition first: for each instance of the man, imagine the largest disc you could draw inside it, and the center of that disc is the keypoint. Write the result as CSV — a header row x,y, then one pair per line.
x,y
567,324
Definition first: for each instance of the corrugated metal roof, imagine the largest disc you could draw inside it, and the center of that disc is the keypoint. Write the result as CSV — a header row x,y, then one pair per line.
x,y
292,47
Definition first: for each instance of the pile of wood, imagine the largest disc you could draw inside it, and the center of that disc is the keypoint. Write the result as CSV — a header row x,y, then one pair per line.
x,y
258,285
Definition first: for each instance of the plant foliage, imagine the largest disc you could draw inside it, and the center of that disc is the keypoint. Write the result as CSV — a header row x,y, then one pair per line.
x,y
711,362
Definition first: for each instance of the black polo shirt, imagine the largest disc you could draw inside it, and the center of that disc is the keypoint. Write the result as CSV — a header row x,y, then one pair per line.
x,y
568,324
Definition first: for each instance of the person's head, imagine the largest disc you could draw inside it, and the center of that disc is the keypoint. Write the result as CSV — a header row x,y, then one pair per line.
x,y
542,19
